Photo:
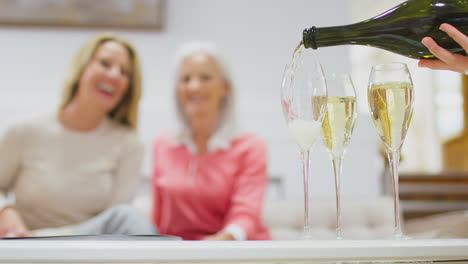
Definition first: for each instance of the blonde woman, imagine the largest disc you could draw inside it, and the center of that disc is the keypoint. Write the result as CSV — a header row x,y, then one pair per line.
x,y
78,167
209,179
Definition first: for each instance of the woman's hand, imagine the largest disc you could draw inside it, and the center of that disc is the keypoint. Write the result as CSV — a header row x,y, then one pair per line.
x,y
12,225
447,60
220,236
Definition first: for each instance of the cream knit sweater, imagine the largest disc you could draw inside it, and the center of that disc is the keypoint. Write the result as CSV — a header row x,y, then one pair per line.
x,y
61,177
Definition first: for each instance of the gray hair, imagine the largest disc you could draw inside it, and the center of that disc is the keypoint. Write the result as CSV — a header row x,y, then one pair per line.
x,y
226,128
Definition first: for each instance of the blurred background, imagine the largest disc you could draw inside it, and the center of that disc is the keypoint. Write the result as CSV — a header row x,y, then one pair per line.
x,y
257,38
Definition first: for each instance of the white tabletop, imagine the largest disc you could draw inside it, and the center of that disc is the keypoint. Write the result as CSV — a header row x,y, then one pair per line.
x,y
298,251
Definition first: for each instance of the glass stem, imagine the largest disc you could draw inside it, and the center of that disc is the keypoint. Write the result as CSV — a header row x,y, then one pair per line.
x,y
394,159
305,171
337,171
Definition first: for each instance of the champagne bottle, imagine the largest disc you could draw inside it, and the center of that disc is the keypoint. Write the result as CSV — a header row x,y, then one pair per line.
x,y
400,29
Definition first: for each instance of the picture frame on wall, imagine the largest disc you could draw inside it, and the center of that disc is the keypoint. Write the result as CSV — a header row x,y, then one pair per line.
x,y
128,14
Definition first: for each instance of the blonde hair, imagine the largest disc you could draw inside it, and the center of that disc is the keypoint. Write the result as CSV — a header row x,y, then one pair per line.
x,y
126,111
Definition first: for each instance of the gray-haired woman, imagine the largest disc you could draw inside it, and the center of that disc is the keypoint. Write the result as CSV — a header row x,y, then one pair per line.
x,y
209,178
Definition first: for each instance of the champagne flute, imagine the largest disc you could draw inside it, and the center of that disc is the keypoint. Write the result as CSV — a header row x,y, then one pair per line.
x,y
337,128
390,95
303,99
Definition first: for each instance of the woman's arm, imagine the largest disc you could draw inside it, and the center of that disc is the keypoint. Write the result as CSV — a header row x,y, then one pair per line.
x,y
11,223
249,191
128,171
447,60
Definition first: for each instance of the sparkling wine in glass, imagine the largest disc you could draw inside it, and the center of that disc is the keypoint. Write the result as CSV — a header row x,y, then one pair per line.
x,y
390,96
337,128
304,98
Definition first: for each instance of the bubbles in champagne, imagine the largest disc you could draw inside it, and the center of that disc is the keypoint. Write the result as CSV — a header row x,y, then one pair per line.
x,y
305,132
391,105
338,124
303,97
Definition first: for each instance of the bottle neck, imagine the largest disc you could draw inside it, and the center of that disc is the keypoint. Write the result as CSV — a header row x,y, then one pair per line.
x,y
315,37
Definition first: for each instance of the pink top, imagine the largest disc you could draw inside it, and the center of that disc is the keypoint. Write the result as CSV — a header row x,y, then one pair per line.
x,y
199,195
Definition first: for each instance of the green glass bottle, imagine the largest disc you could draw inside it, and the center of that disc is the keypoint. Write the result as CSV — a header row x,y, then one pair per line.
x,y
399,30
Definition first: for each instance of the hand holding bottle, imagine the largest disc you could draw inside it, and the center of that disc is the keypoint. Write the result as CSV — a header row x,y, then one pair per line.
x,y
447,60
400,29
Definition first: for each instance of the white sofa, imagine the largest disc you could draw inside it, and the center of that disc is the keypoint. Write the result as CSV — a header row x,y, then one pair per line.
x,y
452,224
370,218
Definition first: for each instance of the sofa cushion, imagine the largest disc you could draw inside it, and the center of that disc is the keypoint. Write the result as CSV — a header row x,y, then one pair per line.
x,y
444,225
370,218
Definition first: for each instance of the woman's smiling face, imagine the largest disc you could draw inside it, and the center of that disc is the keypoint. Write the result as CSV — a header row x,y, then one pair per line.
x,y
106,78
201,86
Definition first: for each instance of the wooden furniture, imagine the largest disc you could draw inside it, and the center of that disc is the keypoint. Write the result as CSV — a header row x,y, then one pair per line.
x,y
298,251
455,151
428,194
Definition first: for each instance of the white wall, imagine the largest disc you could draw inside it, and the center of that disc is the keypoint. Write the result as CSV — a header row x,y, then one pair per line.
x,y
257,37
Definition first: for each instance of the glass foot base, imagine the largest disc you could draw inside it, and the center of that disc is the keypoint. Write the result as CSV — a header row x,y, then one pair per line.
x,y
400,236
